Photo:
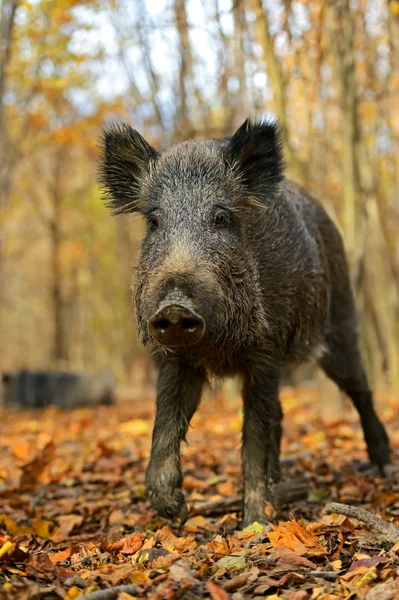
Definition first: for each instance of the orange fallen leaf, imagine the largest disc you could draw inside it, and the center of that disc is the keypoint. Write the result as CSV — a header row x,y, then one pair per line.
x,y
61,555
127,545
219,545
297,537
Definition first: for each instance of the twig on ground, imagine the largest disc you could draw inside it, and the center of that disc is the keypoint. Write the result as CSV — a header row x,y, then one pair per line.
x,y
390,531
329,575
213,507
111,593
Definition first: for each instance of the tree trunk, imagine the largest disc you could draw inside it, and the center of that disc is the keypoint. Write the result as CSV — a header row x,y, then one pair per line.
x,y
7,22
342,36
60,353
277,84
241,97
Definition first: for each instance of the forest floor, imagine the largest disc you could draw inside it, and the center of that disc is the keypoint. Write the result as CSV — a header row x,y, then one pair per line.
x,y
74,520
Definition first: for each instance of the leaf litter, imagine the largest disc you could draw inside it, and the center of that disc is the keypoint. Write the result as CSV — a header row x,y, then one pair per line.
x,y
75,521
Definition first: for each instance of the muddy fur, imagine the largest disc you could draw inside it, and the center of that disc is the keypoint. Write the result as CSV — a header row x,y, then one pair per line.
x,y
259,259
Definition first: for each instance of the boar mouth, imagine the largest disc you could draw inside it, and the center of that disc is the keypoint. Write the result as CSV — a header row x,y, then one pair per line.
x,y
176,325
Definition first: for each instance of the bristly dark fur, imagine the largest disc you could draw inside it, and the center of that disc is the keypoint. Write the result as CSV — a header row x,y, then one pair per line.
x,y
125,157
269,280
256,150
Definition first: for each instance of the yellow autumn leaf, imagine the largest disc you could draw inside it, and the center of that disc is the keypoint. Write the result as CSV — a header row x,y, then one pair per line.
x,y
41,528
15,571
138,577
73,592
135,427
4,549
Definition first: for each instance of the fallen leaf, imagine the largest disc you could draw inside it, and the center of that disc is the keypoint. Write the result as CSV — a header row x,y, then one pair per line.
x,y
42,528
217,592
368,562
384,591
5,547
288,560
196,523
127,545
255,527
61,555
32,470
236,582
219,545
296,595
232,563
182,574
66,525
297,537
135,427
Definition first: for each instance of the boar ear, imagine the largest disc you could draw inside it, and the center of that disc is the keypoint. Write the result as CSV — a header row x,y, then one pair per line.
x,y
125,161
256,151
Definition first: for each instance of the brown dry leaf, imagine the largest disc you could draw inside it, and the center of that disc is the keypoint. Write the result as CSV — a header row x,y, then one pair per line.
x,y
217,592
371,561
166,537
384,591
288,560
265,583
182,574
66,526
236,582
32,471
297,595
297,537
219,545
114,574
127,545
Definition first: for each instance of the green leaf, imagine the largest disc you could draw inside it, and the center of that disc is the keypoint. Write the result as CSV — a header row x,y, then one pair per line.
x,y
255,527
232,563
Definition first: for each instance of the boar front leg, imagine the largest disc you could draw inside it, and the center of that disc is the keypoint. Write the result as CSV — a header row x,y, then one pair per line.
x,y
178,395
261,442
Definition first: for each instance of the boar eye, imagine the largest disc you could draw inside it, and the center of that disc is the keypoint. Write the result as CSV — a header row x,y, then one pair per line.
x,y
152,222
221,219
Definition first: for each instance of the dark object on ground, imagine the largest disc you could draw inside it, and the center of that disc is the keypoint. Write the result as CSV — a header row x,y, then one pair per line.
x,y
36,389
240,272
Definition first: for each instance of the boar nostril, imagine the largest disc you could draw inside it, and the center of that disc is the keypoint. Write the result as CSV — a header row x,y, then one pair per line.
x,y
162,324
190,324
176,325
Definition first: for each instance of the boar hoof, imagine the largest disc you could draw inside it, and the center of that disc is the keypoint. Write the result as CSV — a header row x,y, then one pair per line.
x,y
171,507
378,447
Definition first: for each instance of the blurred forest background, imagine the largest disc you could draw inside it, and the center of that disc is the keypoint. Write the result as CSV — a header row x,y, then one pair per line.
x,y
177,69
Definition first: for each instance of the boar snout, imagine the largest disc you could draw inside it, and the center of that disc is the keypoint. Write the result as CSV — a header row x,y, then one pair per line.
x,y
176,325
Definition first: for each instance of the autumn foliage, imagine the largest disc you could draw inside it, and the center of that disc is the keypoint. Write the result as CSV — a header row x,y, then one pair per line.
x,y
74,517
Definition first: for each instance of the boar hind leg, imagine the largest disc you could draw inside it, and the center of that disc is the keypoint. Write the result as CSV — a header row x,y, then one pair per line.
x,y
178,395
342,363
261,443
